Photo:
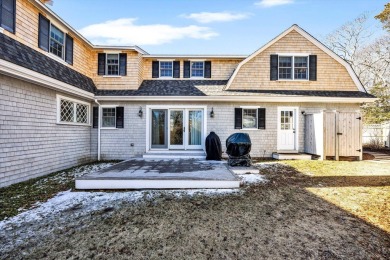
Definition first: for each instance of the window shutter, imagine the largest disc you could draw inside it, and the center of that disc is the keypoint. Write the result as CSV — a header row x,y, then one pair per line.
x,y
187,70
7,14
69,50
238,118
119,117
123,64
43,35
261,118
95,115
274,67
313,67
155,69
207,69
101,63
176,69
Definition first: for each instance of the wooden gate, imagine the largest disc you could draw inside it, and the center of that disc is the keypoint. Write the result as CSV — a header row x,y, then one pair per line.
x,y
342,135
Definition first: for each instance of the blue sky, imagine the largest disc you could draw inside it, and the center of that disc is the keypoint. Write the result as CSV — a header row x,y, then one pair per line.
x,y
207,26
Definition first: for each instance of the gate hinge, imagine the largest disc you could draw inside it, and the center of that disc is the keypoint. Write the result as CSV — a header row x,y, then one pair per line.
x,y
359,150
360,118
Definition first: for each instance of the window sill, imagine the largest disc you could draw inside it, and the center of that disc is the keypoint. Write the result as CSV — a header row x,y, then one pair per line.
x,y
249,129
112,76
197,78
54,57
108,128
300,80
73,124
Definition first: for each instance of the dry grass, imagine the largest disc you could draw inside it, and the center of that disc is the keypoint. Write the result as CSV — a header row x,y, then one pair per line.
x,y
361,188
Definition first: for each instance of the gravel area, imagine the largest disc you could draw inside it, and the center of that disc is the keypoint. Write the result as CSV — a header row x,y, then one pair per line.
x,y
277,218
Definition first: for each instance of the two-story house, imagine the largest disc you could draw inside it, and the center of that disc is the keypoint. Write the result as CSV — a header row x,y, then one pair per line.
x,y
65,101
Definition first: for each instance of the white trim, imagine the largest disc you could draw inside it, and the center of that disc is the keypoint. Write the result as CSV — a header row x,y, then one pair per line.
x,y
75,102
20,72
312,40
279,99
55,57
292,56
296,125
112,76
194,56
159,69
1,29
112,51
250,107
199,61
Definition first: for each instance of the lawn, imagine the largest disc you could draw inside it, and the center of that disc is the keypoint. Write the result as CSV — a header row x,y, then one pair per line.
x,y
305,210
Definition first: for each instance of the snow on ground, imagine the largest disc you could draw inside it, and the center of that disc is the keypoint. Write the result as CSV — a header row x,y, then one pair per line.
x,y
252,178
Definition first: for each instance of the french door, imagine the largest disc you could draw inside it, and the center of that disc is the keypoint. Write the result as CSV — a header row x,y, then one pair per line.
x,y
177,128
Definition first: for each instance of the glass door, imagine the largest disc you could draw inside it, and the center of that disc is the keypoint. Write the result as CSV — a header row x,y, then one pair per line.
x,y
176,129
159,129
195,129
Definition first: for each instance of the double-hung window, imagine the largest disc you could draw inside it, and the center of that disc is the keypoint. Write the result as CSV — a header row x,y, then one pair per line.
x,y
293,67
72,111
108,117
112,64
166,69
197,69
57,41
249,118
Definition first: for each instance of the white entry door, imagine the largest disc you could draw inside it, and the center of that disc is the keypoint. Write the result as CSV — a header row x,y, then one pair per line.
x,y
287,129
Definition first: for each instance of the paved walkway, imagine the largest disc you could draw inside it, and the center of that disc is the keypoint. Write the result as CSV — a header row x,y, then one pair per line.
x,y
380,157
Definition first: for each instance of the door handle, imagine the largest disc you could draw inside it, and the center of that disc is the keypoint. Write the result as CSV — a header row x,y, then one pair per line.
x,y
339,133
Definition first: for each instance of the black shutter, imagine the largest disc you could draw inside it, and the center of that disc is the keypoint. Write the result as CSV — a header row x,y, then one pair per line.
x,y
69,50
186,69
313,67
207,69
95,115
155,69
238,118
261,118
119,117
101,63
274,67
7,14
123,64
176,69
43,34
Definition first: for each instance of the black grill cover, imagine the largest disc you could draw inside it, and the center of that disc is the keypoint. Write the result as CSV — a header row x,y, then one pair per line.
x,y
213,147
238,144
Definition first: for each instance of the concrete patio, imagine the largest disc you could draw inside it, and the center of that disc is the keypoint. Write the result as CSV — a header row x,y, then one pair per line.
x,y
140,173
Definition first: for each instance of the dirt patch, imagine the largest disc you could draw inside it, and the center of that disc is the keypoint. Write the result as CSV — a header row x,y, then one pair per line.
x,y
368,156
278,219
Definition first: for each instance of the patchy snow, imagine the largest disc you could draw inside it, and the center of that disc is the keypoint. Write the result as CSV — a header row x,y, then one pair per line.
x,y
252,178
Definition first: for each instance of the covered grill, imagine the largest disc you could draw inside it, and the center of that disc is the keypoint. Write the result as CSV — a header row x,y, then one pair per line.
x,y
213,147
238,147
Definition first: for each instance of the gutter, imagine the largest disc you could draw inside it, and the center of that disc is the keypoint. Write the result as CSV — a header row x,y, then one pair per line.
x,y
99,109
275,99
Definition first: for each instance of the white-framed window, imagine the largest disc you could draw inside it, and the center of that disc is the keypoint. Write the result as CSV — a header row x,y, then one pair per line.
x,y
166,69
293,67
112,64
197,69
72,111
249,118
57,42
108,117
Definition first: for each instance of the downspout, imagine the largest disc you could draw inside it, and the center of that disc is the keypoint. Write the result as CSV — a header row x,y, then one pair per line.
x,y
99,111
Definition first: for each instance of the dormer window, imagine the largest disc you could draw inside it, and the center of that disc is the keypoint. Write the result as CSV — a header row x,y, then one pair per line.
x,y
166,69
112,64
293,67
197,69
56,41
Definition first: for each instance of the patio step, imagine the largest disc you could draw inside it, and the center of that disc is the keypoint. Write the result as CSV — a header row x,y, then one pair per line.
x,y
175,155
292,156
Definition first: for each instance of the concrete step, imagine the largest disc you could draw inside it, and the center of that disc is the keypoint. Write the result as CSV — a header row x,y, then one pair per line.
x,y
175,155
292,156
